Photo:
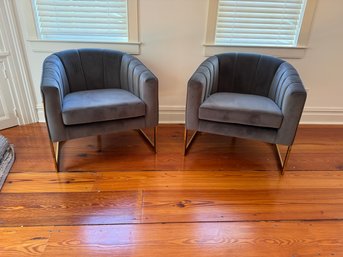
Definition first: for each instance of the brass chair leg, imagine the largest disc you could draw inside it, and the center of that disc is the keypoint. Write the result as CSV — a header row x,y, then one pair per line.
x,y
283,162
187,144
151,143
56,154
52,148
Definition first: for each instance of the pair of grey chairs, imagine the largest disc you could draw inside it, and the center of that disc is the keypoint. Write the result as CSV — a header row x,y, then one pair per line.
x,y
89,92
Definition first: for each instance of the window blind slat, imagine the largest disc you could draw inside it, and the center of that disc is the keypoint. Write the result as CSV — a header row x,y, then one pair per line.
x,y
260,23
80,31
258,26
260,15
76,26
77,9
248,34
256,31
75,19
264,4
79,3
231,21
254,42
252,9
81,14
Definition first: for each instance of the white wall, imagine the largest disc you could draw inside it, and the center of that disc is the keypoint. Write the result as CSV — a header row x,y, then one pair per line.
x,y
322,68
172,33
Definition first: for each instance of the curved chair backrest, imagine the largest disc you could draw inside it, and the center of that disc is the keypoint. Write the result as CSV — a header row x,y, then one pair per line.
x,y
246,73
88,69
91,68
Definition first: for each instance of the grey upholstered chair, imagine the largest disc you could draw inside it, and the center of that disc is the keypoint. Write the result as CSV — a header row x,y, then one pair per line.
x,y
248,96
90,92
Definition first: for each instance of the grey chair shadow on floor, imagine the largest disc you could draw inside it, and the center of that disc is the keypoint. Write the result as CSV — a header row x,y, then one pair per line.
x,y
245,95
89,92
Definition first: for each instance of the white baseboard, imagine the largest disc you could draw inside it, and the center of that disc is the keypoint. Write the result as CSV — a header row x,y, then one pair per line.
x,y
322,115
172,114
176,115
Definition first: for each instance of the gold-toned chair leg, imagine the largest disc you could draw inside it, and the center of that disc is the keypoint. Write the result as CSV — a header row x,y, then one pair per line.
x,y
99,143
283,162
56,153
151,143
52,148
187,144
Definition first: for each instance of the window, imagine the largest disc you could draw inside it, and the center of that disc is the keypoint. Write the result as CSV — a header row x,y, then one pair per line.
x,y
57,25
259,24
103,20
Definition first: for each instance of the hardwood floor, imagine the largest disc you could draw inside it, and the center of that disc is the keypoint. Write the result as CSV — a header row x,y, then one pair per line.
x,y
225,198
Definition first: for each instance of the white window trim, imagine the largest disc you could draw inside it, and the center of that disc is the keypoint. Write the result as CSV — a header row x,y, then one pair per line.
x,y
51,46
211,48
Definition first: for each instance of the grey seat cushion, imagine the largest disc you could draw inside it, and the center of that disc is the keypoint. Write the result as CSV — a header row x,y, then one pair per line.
x,y
243,109
100,105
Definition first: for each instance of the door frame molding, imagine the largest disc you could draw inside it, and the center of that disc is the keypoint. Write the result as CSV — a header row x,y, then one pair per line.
x,y
22,93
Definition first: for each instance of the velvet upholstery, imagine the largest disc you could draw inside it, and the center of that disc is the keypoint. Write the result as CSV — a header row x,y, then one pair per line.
x,y
245,109
94,91
246,95
100,105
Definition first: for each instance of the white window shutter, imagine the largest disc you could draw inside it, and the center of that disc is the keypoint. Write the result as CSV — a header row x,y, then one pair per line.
x,y
259,23
93,20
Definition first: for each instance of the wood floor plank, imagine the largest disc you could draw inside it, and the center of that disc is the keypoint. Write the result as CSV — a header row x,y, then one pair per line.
x,y
242,205
33,209
28,182
198,180
24,241
249,239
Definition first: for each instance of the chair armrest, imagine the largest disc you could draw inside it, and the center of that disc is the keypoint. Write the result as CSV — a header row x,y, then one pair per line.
x,y
195,96
53,87
139,80
148,92
290,95
200,86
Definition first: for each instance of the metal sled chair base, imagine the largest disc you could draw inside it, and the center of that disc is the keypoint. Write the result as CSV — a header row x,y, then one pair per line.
x,y
150,142
187,144
56,151
282,162
57,148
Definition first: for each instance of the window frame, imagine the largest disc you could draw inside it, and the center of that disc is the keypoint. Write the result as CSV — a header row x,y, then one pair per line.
x,y
132,46
212,48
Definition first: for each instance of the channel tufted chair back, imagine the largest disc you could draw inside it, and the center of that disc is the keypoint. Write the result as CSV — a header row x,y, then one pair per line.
x,y
246,95
90,92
